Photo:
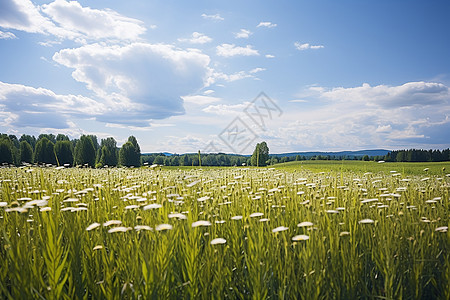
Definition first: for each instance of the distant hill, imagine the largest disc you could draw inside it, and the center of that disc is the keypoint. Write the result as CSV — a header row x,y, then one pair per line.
x,y
159,153
358,153
376,152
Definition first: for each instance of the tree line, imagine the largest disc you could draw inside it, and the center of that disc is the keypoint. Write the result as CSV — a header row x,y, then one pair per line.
x,y
61,151
87,151
193,159
260,158
411,155
418,155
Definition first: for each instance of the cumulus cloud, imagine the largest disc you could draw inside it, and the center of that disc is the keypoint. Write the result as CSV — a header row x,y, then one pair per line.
x,y
266,24
229,50
23,15
409,94
197,38
42,108
415,114
68,20
243,34
200,99
218,76
270,56
92,23
256,70
229,77
306,46
6,35
215,17
384,128
131,77
224,109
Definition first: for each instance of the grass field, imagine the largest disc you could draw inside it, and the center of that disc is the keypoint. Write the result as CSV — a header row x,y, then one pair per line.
x,y
406,168
310,230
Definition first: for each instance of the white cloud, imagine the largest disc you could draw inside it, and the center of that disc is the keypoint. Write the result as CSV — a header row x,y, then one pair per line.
x,y
256,70
409,94
243,34
228,50
266,24
23,15
39,107
141,81
407,133
69,20
92,23
229,77
215,17
270,56
298,101
224,109
128,127
306,46
415,114
7,35
197,38
49,43
384,128
200,99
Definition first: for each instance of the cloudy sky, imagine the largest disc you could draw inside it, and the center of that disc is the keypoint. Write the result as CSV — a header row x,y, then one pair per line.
x,y
184,76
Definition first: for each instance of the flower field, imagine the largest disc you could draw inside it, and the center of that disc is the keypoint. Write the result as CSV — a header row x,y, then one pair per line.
x,y
235,233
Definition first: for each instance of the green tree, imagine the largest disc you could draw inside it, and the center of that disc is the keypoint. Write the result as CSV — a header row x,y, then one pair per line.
x,y
159,160
94,141
6,151
44,151
26,152
64,151
134,141
260,155
29,138
62,137
127,155
148,159
273,160
137,151
84,152
175,160
185,161
108,155
401,156
96,146
51,137
14,141
365,158
131,155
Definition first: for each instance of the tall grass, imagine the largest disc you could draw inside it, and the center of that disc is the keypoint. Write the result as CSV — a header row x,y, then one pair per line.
x,y
380,235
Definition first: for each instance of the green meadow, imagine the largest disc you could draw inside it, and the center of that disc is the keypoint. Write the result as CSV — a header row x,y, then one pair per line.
x,y
406,168
300,230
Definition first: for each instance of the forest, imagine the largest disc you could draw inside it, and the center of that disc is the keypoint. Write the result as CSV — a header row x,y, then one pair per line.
x,y
60,150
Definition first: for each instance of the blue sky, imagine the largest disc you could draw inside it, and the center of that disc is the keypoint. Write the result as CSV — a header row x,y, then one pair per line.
x,y
184,76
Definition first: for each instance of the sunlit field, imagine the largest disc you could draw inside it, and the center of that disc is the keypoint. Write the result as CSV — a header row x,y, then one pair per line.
x,y
310,230
405,168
